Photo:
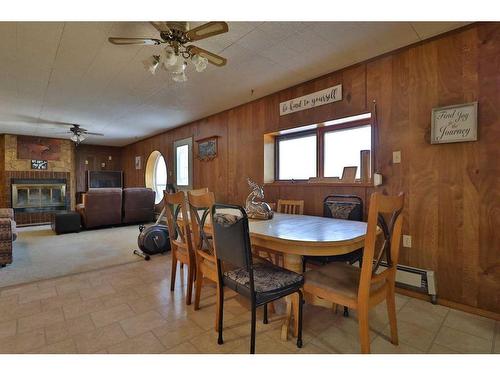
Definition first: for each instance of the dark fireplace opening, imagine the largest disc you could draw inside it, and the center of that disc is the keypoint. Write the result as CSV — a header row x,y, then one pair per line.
x,y
38,195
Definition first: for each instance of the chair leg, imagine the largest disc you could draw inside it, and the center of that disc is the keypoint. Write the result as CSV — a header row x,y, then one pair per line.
x,y
265,321
346,311
173,272
364,329
299,333
391,311
217,308
198,286
190,282
220,313
252,332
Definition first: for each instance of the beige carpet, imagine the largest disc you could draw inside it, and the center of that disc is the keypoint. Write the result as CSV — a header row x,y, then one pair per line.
x,y
40,254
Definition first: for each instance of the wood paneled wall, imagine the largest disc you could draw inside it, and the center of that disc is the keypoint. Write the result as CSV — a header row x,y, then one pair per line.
x,y
452,208
95,158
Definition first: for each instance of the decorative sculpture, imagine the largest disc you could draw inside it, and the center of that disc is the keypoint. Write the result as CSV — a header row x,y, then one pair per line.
x,y
254,209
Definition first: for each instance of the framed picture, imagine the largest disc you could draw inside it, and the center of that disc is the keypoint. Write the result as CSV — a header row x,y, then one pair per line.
x,y
455,123
39,164
38,148
207,148
349,174
137,162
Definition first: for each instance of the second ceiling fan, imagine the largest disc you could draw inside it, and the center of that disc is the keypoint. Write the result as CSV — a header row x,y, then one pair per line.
x,y
176,36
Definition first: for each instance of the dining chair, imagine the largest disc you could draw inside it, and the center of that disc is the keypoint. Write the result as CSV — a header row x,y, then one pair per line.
x,y
199,191
261,282
346,207
288,206
364,288
180,239
199,210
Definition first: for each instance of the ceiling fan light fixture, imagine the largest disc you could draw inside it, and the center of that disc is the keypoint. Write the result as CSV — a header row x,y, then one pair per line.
x,y
167,57
179,77
179,66
200,63
152,63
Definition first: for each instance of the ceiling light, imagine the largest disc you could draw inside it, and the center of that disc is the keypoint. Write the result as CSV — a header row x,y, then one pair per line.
x,y
200,63
152,63
179,66
168,57
78,138
175,61
179,77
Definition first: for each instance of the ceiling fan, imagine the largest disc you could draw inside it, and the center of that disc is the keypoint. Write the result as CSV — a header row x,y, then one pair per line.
x,y
79,134
176,36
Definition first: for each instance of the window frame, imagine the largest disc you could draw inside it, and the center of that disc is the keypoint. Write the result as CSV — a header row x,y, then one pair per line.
x,y
320,131
150,172
179,143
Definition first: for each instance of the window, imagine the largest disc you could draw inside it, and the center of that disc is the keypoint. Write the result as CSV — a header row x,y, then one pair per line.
x,y
156,175
184,163
322,150
297,157
343,147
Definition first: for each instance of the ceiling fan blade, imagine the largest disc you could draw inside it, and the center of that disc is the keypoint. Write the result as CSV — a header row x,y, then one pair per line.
x,y
140,41
207,30
90,133
161,26
211,57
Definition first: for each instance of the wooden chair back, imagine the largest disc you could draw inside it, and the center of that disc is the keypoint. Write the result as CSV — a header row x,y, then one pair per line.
x,y
199,191
199,209
179,230
384,215
288,206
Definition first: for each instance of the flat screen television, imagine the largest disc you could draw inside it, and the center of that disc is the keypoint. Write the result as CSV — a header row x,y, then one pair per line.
x,y
104,179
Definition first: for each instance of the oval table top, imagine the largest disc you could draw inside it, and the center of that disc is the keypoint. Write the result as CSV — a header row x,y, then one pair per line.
x,y
308,235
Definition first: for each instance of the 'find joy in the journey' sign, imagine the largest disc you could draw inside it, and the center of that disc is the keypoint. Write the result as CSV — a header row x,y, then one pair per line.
x,y
329,95
456,123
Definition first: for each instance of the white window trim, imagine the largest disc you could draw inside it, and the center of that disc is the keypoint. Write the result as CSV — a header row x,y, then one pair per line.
x,y
189,143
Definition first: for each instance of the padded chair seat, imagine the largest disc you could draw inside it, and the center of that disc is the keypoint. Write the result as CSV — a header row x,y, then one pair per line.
x,y
269,280
338,278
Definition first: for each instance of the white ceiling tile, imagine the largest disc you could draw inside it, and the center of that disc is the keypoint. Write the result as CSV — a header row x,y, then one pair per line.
x,y
69,72
429,29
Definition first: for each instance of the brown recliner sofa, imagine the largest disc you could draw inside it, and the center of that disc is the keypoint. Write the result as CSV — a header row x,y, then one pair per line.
x,y
138,205
101,207
8,235
114,206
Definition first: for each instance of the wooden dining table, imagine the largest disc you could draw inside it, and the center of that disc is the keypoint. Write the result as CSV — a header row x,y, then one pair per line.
x,y
295,236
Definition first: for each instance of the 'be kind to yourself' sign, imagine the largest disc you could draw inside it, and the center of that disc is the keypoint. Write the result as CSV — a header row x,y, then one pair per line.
x,y
329,95
456,123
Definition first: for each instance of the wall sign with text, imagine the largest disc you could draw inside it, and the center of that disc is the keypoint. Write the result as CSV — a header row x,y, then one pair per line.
x,y
455,123
326,96
39,164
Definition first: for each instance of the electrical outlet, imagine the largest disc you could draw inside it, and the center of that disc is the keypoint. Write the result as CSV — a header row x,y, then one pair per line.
x,y
406,240
110,157
396,157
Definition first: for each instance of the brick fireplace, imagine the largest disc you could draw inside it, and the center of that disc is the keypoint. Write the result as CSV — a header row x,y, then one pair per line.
x,y
49,193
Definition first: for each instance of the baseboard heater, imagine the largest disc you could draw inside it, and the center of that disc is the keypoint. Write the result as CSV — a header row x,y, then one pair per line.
x,y
415,279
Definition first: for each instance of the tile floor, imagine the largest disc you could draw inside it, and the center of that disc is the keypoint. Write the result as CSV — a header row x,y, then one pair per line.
x,y
130,309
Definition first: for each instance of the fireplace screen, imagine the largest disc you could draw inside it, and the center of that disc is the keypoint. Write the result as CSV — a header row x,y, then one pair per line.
x,y
36,196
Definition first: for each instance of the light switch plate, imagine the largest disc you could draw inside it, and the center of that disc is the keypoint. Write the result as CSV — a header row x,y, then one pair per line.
x,y
110,157
396,157
406,240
